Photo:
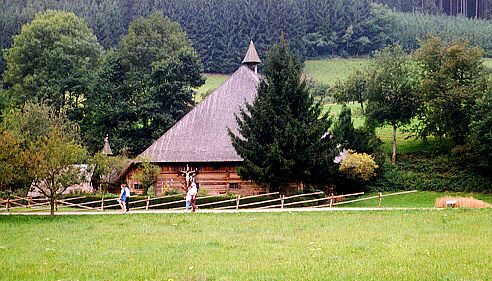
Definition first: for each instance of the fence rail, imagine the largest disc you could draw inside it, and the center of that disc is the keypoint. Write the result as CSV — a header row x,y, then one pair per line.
x,y
34,204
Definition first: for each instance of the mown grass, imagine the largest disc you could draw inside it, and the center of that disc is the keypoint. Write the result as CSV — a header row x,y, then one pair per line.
x,y
339,245
330,70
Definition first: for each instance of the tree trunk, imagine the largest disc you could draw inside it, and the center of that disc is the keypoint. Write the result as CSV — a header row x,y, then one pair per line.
x,y
362,107
476,9
393,158
52,204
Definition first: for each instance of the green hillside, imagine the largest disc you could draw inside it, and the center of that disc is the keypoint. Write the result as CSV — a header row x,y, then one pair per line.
x,y
330,70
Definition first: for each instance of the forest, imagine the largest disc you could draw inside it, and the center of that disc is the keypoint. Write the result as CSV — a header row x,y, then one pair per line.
x,y
220,30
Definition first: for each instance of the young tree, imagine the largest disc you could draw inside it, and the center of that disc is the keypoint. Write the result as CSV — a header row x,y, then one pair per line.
x,y
55,162
452,78
147,175
391,91
282,137
353,89
52,61
23,128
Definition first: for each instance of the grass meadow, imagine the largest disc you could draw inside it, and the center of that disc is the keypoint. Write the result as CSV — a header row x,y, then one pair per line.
x,y
450,244
212,81
330,70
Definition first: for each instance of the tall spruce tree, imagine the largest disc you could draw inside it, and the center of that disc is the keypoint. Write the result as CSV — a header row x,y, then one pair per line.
x,y
282,136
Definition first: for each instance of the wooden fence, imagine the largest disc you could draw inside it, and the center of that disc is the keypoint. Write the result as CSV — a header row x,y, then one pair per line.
x,y
39,203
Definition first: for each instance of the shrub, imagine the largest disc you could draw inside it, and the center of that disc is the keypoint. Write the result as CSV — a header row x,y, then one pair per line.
x,y
358,166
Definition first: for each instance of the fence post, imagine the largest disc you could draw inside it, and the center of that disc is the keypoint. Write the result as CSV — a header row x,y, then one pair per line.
x,y
29,198
237,201
331,200
380,193
7,205
146,202
102,201
282,199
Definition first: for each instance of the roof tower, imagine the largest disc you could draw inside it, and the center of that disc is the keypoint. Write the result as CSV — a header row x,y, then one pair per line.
x,y
252,59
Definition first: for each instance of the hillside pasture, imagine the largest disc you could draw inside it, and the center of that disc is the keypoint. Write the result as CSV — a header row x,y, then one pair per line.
x,y
336,245
212,82
330,70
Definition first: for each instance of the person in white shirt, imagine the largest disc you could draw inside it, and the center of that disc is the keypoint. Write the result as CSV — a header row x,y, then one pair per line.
x,y
127,199
188,199
193,191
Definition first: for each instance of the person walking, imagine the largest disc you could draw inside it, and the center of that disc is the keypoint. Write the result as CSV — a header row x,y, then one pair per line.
x,y
193,192
122,199
188,199
127,199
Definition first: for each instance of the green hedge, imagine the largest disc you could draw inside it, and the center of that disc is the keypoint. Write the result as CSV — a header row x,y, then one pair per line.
x,y
439,173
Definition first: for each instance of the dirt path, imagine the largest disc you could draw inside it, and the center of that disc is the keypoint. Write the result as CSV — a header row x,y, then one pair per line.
x,y
211,211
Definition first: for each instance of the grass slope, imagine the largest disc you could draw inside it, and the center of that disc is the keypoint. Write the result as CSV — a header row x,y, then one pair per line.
x,y
330,70
212,82
341,245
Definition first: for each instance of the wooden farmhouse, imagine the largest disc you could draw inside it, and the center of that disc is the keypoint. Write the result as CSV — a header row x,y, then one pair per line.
x,y
199,145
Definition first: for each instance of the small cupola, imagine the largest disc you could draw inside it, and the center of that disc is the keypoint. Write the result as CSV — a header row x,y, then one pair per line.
x,y
252,59
107,149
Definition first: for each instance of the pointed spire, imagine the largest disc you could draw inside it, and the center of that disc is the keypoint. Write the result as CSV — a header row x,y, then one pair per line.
x,y
252,58
107,149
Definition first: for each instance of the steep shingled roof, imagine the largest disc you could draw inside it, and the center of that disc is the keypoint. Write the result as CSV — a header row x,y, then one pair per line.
x,y
201,135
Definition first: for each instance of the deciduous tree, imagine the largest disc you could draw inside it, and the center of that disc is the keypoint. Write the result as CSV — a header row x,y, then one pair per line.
x,y
391,91
56,165
145,86
452,78
52,61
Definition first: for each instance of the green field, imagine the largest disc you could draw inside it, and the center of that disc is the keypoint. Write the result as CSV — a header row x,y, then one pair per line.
x,y
450,244
329,71
212,81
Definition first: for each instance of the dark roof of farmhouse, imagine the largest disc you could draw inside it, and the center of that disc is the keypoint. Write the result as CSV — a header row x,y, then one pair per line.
x,y
251,55
201,135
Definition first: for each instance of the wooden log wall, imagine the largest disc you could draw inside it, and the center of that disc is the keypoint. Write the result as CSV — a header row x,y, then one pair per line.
x,y
215,178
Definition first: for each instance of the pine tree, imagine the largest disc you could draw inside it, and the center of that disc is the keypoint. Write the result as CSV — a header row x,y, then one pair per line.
x,y
283,137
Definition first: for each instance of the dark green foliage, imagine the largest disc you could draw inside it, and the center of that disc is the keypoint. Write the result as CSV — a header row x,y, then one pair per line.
x,y
482,134
220,30
428,172
362,140
53,61
411,28
282,137
471,8
144,87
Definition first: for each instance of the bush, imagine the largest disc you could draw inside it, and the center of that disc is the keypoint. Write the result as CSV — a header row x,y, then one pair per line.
x,y
358,166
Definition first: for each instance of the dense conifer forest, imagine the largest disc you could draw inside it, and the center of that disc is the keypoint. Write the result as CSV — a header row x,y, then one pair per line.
x,y
220,30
